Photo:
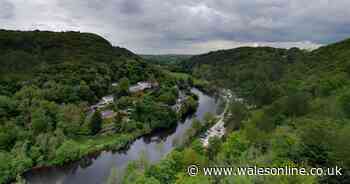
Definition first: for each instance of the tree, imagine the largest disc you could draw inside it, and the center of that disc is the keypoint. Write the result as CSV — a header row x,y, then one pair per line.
x,y
40,121
238,112
117,121
167,98
285,145
26,97
164,172
214,147
7,137
185,179
70,119
123,88
7,106
95,124
124,102
188,107
317,137
233,149
156,116
344,101
68,151
297,104
341,147
44,118
85,92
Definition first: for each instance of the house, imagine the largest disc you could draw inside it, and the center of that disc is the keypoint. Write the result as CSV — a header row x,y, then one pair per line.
x,y
103,103
107,99
107,114
141,86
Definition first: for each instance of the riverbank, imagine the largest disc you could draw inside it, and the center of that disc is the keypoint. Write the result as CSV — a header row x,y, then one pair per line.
x,y
96,168
218,130
74,149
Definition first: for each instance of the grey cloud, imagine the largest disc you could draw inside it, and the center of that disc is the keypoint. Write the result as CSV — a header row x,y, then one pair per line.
x,y
6,9
191,26
131,6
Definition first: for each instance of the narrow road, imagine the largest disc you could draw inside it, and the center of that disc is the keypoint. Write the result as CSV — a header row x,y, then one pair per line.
x,y
218,130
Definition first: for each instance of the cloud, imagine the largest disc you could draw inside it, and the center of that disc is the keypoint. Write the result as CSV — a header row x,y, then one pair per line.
x,y
6,9
187,26
131,7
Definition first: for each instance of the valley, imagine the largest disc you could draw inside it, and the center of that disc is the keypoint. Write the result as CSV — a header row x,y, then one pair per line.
x,y
76,109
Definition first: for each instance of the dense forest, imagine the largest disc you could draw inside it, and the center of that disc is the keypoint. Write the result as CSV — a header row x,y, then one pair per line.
x,y
171,62
166,59
49,85
295,112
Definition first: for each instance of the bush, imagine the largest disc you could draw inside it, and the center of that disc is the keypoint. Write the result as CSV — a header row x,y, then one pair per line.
x,y
7,138
297,104
7,106
235,146
238,112
68,151
168,98
95,124
188,107
344,101
70,119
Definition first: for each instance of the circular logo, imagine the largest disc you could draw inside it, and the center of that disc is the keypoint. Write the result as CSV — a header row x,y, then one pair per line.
x,y
192,170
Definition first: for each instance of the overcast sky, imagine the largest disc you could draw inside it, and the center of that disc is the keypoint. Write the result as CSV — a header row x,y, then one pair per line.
x,y
187,26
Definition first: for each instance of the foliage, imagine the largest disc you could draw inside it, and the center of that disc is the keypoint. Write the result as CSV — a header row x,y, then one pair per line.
x,y
344,101
154,115
122,89
70,119
239,112
48,83
189,106
95,123
169,62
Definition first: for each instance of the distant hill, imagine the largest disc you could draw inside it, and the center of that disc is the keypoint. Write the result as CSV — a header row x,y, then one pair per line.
x,y
68,58
171,62
166,59
23,51
256,72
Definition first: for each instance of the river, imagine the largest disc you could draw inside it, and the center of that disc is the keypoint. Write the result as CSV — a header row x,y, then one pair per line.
x,y
95,170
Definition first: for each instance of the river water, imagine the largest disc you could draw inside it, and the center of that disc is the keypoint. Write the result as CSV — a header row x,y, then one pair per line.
x,y
95,170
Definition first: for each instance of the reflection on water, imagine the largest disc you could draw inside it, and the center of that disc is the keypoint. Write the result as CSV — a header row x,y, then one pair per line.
x,y
97,168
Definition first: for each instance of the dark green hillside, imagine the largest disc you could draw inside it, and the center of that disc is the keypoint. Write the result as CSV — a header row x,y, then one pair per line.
x,y
168,61
166,58
24,51
249,69
24,55
264,74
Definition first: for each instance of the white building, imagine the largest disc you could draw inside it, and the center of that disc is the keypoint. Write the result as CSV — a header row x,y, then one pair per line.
x,y
107,99
140,86
107,114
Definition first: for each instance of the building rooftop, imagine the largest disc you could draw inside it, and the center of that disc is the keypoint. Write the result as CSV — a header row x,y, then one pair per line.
x,y
107,114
